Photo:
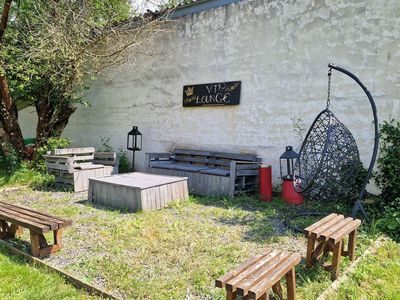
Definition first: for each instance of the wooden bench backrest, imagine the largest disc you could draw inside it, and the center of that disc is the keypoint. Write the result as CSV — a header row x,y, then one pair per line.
x,y
79,154
219,159
105,158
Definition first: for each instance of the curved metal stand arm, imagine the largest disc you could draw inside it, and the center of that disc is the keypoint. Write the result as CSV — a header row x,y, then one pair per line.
x,y
358,204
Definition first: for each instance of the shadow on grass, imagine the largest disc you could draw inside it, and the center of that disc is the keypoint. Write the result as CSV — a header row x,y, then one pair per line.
x,y
89,203
268,219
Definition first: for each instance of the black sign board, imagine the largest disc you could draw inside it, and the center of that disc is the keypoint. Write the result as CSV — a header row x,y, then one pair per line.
x,y
211,94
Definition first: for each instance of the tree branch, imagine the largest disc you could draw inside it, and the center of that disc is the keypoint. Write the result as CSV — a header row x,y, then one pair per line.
x,y
4,18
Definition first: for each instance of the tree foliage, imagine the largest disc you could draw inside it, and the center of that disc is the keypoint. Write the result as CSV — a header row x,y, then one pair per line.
x,y
51,48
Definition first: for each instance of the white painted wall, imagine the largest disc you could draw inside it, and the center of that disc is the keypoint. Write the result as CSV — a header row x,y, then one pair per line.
x,y
279,50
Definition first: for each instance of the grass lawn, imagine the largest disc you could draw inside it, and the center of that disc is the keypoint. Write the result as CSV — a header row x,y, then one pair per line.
x,y
21,281
173,253
376,277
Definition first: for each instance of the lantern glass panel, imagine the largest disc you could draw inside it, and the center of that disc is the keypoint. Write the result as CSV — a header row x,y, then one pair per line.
x,y
288,157
134,140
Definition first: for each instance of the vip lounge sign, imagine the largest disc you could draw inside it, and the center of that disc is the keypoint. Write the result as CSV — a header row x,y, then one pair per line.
x,y
212,94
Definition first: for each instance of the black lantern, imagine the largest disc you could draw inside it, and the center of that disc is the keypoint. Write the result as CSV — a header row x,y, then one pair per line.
x,y
289,156
134,143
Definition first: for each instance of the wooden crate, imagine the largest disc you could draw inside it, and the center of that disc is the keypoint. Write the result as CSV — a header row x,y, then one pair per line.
x,y
137,191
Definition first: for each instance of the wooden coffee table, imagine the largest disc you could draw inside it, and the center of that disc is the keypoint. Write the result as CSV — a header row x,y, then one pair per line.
x,y
137,191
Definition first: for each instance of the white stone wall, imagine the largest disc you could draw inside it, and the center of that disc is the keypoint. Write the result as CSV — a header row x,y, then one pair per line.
x,y
279,50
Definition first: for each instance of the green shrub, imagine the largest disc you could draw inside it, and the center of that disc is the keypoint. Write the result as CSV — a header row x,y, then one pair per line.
x,y
51,144
387,177
9,160
105,145
123,165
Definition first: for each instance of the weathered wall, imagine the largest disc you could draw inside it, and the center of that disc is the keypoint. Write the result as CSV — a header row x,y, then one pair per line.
x,y
280,51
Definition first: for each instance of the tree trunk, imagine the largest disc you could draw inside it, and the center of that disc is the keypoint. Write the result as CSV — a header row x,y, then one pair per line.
x,y
51,122
8,118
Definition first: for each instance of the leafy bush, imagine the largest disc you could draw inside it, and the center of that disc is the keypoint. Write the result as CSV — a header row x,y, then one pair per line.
x,y
388,175
9,160
388,179
105,145
123,165
51,144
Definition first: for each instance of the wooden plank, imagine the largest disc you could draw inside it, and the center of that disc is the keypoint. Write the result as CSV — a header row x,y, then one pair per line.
x,y
51,222
354,224
247,173
263,274
12,218
316,232
81,150
243,279
57,166
335,228
291,284
286,264
27,209
319,223
220,282
232,179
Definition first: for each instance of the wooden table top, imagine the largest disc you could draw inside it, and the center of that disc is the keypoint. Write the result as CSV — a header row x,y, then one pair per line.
x,y
138,180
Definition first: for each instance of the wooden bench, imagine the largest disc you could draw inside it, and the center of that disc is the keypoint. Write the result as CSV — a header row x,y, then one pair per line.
x,y
329,233
38,223
255,277
209,172
73,167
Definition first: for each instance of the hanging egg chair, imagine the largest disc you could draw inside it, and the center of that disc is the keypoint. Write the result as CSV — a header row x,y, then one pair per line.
x,y
326,167
329,161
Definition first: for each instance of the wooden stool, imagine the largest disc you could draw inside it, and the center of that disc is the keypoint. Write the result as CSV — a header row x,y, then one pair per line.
x,y
254,278
329,233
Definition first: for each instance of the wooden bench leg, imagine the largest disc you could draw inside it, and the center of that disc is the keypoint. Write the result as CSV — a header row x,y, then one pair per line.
x,y
310,250
291,284
39,244
336,259
9,231
277,289
230,295
352,245
35,243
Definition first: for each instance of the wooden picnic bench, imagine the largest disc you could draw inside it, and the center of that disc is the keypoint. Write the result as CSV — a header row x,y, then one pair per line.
x,y
209,172
73,167
255,277
329,233
14,218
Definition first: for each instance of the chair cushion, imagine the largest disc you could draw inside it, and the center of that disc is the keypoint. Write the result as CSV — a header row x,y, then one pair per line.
x,y
163,165
219,172
189,167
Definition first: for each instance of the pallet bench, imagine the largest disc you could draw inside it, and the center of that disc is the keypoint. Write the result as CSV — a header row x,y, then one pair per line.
x,y
329,233
73,167
14,218
209,172
255,277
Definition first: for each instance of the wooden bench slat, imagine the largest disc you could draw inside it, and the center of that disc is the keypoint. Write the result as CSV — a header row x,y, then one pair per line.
x,y
319,223
263,285
15,219
351,226
232,284
11,212
316,232
61,221
220,282
40,216
261,274
335,227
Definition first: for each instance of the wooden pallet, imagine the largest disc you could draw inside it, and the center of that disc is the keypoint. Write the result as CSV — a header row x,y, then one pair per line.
x,y
14,218
327,235
255,277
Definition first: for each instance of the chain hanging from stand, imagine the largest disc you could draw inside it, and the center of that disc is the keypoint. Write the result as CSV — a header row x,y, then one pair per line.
x,y
328,99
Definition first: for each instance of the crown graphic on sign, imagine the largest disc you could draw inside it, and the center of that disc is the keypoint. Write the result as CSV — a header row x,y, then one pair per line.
x,y
189,91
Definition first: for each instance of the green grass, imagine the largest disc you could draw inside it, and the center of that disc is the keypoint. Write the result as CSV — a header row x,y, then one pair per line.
x,y
176,252
375,277
22,281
